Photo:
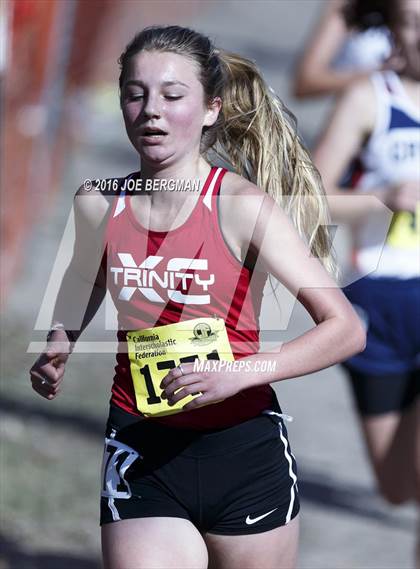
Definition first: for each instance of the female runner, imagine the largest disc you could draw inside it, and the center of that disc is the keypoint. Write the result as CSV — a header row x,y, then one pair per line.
x,y
197,467
381,117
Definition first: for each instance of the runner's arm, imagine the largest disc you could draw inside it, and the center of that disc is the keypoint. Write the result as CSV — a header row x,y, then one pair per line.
x,y
349,126
338,333
83,287
315,75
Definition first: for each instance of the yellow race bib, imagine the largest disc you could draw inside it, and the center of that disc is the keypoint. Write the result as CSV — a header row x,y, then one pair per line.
x,y
153,352
405,229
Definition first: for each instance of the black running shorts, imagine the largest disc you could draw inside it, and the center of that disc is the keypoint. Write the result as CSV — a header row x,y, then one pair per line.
x,y
387,393
233,481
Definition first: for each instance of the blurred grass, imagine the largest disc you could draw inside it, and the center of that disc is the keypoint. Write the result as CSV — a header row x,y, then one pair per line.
x,y
50,486
50,469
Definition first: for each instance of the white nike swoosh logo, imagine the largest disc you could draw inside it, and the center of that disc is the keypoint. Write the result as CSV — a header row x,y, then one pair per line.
x,y
250,521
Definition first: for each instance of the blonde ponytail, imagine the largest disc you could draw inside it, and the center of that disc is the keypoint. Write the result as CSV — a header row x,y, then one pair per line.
x,y
259,138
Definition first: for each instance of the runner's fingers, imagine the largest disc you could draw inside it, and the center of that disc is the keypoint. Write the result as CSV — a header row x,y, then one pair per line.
x,y
175,384
198,402
43,386
43,367
50,372
177,372
49,393
45,394
189,390
43,377
45,381
182,381
57,362
40,390
59,374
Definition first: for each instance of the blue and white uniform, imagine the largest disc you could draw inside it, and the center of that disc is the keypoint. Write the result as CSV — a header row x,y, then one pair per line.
x,y
391,156
388,298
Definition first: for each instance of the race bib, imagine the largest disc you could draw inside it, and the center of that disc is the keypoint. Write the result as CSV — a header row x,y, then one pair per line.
x,y
154,351
405,229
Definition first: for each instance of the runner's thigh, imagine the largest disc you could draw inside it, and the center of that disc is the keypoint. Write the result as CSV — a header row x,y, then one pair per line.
x,y
153,543
273,549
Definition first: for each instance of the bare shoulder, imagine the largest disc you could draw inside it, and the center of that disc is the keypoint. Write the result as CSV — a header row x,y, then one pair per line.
x,y
243,211
360,92
234,184
241,198
359,102
251,220
93,206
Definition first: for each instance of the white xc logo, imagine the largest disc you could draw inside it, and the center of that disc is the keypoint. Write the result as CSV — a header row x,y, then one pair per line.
x,y
144,276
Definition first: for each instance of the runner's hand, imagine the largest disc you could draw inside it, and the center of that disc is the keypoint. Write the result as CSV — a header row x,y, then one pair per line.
x,y
47,372
395,62
215,386
403,196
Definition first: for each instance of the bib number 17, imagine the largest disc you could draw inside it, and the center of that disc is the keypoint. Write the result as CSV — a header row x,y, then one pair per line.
x,y
153,398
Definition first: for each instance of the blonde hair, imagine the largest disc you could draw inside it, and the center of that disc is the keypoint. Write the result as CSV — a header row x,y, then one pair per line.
x,y
254,132
260,140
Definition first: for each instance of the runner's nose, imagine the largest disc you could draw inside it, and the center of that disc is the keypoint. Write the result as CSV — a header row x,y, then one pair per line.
x,y
152,107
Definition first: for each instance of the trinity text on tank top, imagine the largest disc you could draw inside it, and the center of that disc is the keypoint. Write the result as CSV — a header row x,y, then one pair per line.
x,y
181,295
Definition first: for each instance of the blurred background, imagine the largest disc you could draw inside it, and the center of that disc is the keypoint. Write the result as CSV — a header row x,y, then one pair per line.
x,y
61,124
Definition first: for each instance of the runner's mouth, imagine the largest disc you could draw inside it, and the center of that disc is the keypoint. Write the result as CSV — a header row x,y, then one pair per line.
x,y
152,132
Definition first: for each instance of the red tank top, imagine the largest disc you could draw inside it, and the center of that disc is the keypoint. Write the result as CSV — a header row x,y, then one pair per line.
x,y
148,289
